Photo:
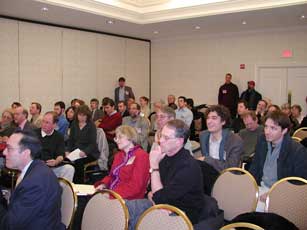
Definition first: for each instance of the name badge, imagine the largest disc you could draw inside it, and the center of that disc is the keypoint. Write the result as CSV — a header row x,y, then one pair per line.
x,y
224,91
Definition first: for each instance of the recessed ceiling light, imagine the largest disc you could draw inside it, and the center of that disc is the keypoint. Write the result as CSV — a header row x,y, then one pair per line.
x,y
110,22
197,27
44,9
244,22
156,32
302,16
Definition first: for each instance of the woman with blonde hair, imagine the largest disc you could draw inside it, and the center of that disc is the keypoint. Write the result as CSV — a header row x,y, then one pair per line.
x,y
129,174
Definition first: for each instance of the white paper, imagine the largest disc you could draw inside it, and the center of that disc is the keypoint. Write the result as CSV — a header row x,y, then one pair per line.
x,y
74,155
84,189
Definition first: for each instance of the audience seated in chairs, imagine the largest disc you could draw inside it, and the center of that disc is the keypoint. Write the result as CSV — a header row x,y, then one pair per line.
x,y
7,125
140,123
144,103
250,135
277,155
237,123
62,124
171,101
53,147
122,109
175,177
220,147
129,174
96,112
261,110
294,125
20,119
83,137
35,111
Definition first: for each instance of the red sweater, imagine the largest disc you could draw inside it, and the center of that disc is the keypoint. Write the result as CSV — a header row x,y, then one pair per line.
x,y
134,177
110,123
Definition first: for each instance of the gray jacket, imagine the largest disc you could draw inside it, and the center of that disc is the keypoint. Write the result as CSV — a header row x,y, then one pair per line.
x,y
231,146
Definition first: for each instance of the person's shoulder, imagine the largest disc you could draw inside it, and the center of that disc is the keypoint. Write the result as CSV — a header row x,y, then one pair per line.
x,y
204,134
234,138
141,153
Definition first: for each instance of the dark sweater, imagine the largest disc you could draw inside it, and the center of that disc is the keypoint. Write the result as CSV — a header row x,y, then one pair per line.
x,y
83,139
52,146
182,181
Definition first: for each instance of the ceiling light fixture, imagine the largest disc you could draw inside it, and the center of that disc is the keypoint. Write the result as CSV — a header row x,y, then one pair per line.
x,y
302,16
197,27
110,22
156,32
244,22
45,9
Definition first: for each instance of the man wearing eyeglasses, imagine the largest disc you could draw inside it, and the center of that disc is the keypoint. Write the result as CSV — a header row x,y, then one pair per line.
x,y
176,177
36,201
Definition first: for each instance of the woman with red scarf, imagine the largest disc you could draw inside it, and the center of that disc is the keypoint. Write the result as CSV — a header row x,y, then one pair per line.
x,y
129,173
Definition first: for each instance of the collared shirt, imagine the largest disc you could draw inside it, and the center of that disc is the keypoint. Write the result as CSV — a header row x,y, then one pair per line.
x,y
214,147
270,165
121,93
45,134
185,115
113,113
23,172
22,125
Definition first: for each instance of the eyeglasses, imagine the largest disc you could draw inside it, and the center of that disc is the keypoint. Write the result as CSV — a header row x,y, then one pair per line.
x,y
117,138
166,138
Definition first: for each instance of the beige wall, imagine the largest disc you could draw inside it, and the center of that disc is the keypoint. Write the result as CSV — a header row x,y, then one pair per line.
x,y
46,64
195,66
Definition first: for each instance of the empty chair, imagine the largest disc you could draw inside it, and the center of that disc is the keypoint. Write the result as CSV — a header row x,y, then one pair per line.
x,y
105,210
236,192
241,225
164,217
288,198
69,202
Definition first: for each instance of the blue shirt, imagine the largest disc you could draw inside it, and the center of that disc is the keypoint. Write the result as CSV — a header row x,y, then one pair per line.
x,y
62,125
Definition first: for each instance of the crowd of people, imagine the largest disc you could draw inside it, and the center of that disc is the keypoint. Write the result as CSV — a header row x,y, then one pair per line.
x,y
146,146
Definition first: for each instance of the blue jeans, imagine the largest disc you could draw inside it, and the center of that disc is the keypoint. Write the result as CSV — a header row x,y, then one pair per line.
x,y
136,208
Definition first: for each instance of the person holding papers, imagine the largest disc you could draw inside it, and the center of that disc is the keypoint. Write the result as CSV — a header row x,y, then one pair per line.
x,y
129,174
82,147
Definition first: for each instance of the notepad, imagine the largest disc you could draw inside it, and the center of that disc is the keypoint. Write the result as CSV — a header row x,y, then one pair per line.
x,y
74,155
84,189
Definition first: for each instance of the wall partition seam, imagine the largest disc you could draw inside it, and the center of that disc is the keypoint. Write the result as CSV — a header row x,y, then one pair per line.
x,y
61,67
149,72
18,62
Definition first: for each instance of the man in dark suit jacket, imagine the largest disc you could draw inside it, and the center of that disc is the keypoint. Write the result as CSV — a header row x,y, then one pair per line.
x,y
123,93
96,112
36,201
20,118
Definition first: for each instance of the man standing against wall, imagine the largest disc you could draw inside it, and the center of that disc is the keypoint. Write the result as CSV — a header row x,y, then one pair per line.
x,y
229,95
123,92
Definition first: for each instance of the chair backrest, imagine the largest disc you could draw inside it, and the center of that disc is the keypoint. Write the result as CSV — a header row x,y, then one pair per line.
x,y
241,225
289,200
296,139
103,148
300,133
105,210
163,217
69,202
236,192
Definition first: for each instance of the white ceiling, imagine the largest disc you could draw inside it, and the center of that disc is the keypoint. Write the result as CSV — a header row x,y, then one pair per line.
x,y
213,18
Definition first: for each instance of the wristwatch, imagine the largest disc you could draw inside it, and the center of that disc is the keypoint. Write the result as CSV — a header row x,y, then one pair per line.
x,y
151,170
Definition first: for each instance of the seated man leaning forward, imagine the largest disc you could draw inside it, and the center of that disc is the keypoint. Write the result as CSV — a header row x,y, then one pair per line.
x,y
36,201
129,174
176,178
220,147
277,155
53,147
